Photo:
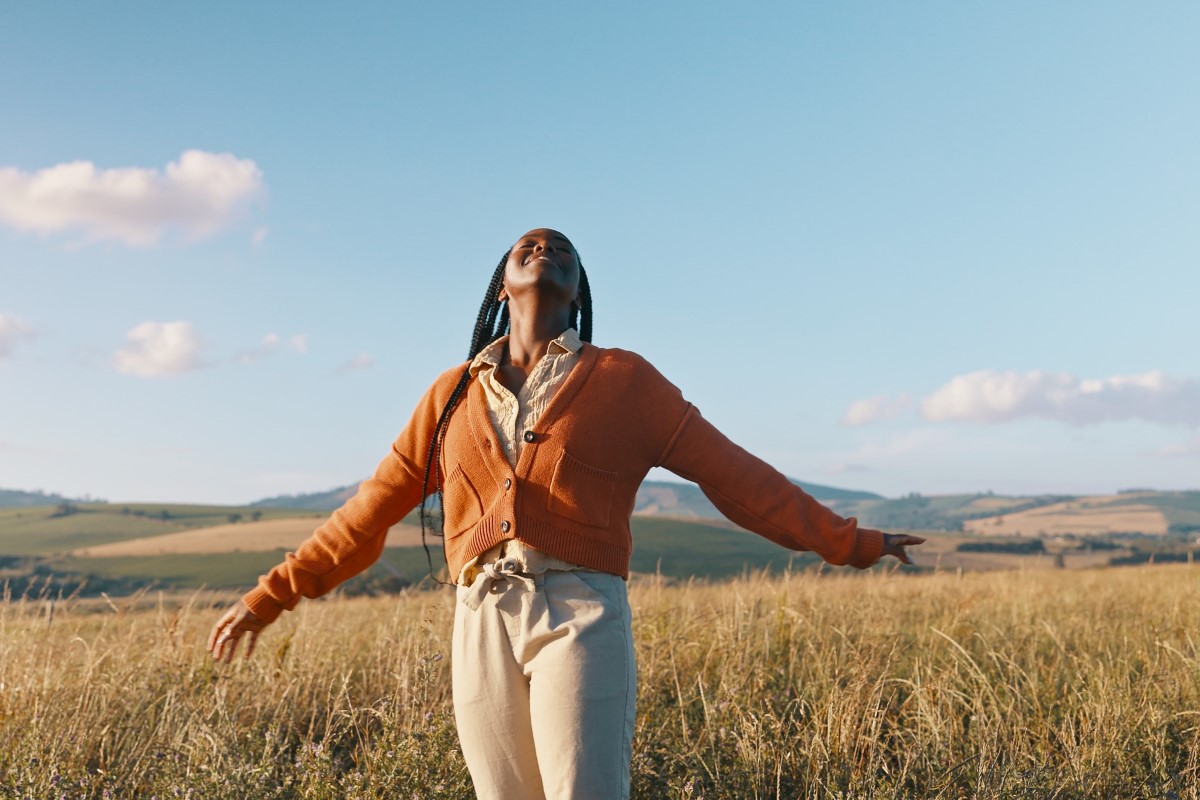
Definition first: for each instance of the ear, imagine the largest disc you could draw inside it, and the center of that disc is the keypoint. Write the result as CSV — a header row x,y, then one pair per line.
x,y
577,304
500,298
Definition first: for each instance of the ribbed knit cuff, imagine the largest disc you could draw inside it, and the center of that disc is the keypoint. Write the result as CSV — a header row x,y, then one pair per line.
x,y
262,604
868,548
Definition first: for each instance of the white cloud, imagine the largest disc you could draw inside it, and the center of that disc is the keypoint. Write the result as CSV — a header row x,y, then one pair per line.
x,y
157,349
271,344
989,397
259,236
873,409
360,361
197,195
268,345
12,329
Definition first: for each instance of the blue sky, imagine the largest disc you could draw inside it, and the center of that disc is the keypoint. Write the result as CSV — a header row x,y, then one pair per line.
x,y
934,247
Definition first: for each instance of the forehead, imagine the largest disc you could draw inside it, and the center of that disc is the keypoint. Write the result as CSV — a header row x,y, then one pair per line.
x,y
546,233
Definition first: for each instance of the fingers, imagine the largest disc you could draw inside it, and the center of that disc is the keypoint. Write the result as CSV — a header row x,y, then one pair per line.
x,y
224,646
251,643
894,544
217,629
233,625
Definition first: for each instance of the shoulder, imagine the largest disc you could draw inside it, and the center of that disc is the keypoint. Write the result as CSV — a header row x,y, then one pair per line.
x,y
443,386
451,376
634,368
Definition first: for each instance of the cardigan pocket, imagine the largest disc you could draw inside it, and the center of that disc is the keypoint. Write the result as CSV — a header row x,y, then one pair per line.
x,y
463,508
581,492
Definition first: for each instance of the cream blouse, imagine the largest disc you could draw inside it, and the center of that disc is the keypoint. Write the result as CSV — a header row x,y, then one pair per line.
x,y
511,416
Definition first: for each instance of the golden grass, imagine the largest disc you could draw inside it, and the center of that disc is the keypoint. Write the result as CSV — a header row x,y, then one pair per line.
x,y
1089,516
1056,684
246,537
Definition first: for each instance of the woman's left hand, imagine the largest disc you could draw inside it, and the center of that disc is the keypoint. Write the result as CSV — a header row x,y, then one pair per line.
x,y
894,544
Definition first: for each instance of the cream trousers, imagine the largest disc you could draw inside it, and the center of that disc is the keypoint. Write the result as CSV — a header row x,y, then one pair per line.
x,y
545,684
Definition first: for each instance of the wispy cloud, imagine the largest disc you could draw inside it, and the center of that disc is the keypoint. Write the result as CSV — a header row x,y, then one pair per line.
x,y
271,344
843,467
1187,449
12,329
360,361
873,409
197,195
259,236
990,397
898,446
158,349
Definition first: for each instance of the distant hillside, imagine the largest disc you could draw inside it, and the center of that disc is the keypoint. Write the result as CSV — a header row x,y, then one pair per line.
x,y
947,512
15,498
654,498
316,501
125,548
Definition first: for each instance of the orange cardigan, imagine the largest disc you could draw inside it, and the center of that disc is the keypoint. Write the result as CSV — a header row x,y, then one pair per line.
x,y
571,493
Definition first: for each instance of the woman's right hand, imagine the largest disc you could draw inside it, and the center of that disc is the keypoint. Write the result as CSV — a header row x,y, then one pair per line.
x,y
235,623
894,544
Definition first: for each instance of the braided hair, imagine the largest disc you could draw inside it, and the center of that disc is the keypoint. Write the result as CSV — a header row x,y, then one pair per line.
x,y
491,323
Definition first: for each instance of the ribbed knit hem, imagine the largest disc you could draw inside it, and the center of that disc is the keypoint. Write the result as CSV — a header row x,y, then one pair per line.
x,y
550,539
868,548
262,604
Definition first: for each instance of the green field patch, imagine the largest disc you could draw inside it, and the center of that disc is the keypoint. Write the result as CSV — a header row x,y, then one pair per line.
x,y
217,570
225,570
1182,509
44,530
682,549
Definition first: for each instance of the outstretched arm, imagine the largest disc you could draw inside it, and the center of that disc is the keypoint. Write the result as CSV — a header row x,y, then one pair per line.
x,y
349,541
758,497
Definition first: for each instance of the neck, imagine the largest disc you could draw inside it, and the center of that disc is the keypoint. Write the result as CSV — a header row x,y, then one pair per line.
x,y
531,332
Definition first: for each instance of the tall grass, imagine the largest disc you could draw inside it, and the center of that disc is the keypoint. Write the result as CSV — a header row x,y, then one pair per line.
x,y
1047,684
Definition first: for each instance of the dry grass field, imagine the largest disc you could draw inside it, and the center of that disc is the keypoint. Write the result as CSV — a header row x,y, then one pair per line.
x,y
1089,516
1046,684
245,537
939,552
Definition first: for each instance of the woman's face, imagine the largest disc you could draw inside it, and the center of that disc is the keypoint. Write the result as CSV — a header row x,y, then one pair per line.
x,y
544,262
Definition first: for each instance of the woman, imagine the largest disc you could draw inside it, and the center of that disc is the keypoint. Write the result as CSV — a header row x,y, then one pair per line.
x,y
536,447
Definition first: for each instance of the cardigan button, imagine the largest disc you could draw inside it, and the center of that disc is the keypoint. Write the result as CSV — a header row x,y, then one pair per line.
x,y
504,526
507,484
529,436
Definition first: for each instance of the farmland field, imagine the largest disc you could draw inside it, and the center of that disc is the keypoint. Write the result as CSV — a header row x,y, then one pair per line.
x,y
1085,515
1047,683
265,535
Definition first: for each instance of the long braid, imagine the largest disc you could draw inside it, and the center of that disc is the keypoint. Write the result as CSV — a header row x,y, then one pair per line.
x,y
581,318
491,323
486,329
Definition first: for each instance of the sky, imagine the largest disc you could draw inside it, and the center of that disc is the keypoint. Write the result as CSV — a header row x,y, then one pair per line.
x,y
920,247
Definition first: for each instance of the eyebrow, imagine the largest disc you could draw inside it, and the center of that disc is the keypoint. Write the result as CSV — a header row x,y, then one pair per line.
x,y
528,239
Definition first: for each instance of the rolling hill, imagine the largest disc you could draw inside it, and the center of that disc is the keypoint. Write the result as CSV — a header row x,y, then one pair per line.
x,y
658,498
121,548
